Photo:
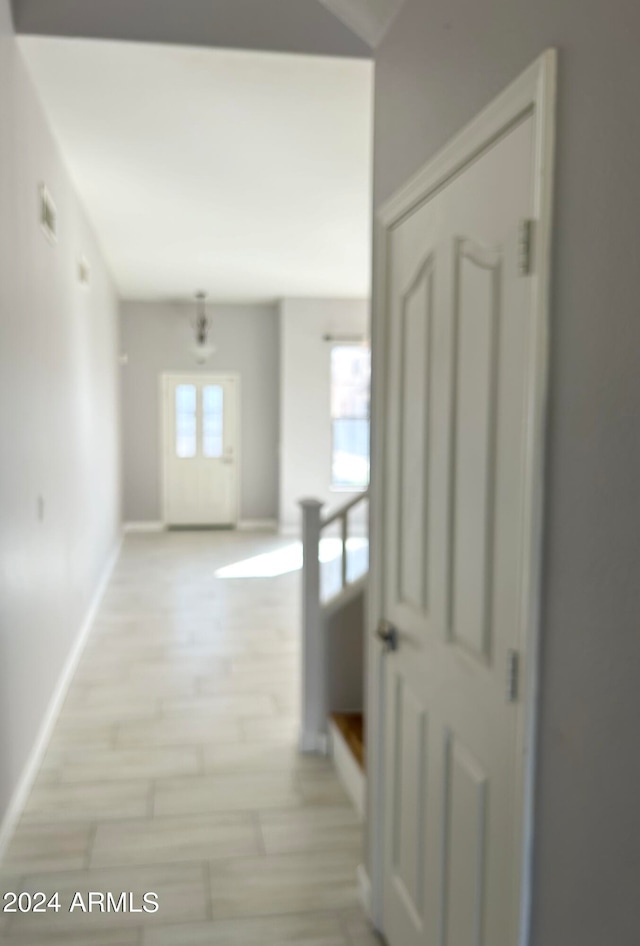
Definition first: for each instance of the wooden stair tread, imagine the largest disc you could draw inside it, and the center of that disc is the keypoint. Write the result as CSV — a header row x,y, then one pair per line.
x,y
352,728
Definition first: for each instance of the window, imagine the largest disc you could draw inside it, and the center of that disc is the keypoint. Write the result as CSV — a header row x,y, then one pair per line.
x,y
185,421
350,395
212,420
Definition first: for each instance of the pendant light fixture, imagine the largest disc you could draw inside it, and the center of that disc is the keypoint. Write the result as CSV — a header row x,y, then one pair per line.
x,y
202,348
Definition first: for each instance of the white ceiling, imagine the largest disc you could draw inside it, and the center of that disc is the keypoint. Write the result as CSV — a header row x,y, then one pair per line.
x,y
246,174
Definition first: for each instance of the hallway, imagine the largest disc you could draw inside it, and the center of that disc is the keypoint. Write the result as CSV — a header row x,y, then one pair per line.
x,y
173,768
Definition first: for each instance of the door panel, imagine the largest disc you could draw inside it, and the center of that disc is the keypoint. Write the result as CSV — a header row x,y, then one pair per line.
x,y
476,324
410,744
413,420
408,750
458,400
200,449
464,845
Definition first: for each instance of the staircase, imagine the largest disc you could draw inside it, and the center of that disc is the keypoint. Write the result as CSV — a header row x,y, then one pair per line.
x,y
334,575
351,728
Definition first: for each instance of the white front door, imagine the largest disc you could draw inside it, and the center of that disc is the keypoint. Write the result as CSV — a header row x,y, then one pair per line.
x,y
200,414
457,487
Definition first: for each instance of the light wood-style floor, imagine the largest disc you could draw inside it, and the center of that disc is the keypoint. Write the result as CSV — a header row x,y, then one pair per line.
x,y
173,769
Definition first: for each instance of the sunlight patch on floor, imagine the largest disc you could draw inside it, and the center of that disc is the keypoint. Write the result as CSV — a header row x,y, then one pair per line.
x,y
285,560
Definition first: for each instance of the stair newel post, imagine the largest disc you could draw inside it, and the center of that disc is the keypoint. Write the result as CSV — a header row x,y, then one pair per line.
x,y
314,683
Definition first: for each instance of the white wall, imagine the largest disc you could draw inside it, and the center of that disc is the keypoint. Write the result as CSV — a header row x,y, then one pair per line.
x,y
305,401
157,338
58,421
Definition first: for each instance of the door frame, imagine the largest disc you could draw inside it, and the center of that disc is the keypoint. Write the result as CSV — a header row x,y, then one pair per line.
x,y
215,376
533,93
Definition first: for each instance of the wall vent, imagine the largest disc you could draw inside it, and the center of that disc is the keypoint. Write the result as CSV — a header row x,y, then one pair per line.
x,y
48,215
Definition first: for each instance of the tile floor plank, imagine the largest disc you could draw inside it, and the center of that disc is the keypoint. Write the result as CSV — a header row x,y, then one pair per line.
x,y
143,762
171,840
310,829
284,883
49,847
82,801
94,938
179,729
242,792
315,929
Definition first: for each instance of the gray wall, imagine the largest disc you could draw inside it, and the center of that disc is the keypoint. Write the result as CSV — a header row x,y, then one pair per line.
x,y
296,26
345,656
157,338
58,420
440,63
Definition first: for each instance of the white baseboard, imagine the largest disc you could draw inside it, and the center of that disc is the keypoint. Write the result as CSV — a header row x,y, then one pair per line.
x,y
244,525
294,532
146,526
18,801
317,742
349,772
258,525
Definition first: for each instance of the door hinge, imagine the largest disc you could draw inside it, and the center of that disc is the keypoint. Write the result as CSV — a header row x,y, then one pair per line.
x,y
513,675
525,247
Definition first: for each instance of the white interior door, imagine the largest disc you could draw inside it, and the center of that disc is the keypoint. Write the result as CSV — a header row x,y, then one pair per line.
x,y
200,449
457,487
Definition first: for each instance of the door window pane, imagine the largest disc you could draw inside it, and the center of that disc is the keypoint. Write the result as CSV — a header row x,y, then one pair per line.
x,y
185,421
350,397
212,421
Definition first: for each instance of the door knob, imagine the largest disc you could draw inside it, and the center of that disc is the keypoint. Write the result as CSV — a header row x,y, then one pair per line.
x,y
388,634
